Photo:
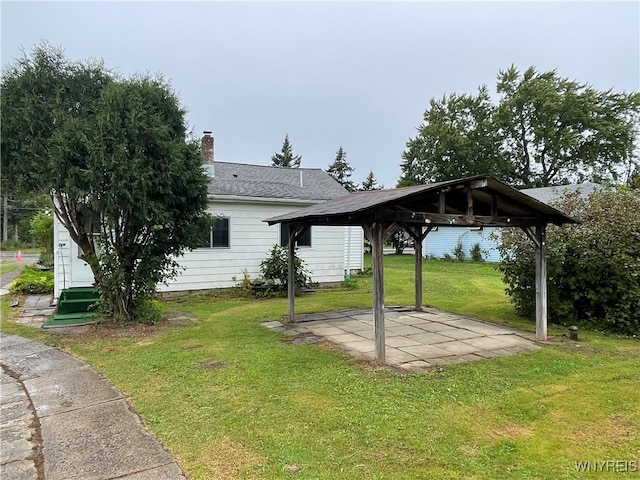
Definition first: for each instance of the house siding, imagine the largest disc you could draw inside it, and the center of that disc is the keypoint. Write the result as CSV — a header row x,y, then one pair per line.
x,y
353,249
445,239
250,241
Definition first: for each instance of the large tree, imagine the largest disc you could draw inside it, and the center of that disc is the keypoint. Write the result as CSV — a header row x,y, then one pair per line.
x,y
286,158
341,170
560,131
544,130
458,138
114,156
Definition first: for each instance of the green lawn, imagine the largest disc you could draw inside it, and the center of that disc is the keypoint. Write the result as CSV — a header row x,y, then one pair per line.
x,y
10,267
231,399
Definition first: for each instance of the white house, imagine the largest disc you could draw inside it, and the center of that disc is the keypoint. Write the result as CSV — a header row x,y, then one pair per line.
x,y
442,240
241,196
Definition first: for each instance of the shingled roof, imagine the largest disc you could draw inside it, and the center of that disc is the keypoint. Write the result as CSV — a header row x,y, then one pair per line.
x,y
239,179
551,194
475,201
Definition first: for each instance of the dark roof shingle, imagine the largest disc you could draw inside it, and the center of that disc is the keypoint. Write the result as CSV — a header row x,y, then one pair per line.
x,y
360,207
262,181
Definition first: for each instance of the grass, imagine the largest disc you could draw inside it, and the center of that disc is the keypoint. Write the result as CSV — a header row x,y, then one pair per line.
x,y
10,267
231,399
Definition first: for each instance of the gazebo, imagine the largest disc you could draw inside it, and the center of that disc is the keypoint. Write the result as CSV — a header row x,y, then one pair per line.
x,y
479,201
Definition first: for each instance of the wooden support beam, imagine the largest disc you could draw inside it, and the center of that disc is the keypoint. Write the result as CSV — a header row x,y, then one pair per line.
x,y
389,231
291,274
539,238
377,240
494,205
437,219
294,235
442,205
469,203
541,283
418,237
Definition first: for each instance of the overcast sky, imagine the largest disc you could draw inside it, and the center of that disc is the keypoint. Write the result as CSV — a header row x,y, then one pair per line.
x,y
353,74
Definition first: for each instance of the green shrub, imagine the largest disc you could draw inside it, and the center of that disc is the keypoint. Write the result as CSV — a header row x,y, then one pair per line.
x,y
257,287
33,280
46,260
476,253
42,228
458,252
593,268
276,267
350,283
147,311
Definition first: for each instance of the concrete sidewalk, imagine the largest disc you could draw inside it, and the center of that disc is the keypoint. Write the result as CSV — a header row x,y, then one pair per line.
x,y
414,341
60,420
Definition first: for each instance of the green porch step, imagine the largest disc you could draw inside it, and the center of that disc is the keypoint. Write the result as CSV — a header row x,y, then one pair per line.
x,y
76,306
76,300
69,319
78,292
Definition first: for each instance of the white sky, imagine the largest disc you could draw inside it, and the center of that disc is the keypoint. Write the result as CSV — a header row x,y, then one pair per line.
x,y
356,74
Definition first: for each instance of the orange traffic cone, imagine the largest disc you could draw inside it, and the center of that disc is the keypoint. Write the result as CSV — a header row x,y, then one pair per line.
x,y
19,256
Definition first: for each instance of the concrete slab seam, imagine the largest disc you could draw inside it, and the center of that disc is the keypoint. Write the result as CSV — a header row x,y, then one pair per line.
x,y
36,439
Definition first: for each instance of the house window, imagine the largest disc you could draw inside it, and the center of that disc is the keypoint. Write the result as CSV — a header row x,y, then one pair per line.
x,y
218,234
303,241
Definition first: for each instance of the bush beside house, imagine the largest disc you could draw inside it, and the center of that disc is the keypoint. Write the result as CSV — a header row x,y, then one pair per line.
x,y
593,268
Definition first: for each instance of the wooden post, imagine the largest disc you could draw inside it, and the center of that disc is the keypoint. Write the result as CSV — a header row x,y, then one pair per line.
x,y
417,253
418,237
541,283
539,238
377,240
291,274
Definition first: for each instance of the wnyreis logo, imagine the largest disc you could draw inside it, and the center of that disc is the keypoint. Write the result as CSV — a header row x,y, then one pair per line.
x,y
617,466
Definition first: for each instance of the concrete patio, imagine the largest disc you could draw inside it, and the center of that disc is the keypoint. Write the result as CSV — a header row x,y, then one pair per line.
x,y
414,341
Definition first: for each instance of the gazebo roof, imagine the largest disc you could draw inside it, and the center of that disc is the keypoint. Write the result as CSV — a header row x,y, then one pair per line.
x,y
479,201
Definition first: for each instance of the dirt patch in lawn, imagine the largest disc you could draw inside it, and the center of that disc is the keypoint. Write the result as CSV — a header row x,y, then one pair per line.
x,y
169,321
509,431
213,365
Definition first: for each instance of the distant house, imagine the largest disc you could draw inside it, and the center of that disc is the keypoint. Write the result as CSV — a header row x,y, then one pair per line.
x,y
442,240
241,196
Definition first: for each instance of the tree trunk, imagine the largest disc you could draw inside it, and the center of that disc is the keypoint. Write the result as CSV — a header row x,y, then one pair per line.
x,y
5,219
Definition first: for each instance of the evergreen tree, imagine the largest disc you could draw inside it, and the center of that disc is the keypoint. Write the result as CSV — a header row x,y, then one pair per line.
x,y
114,158
370,183
286,158
341,170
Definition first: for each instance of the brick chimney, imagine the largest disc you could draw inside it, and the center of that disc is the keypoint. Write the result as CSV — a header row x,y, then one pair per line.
x,y
207,147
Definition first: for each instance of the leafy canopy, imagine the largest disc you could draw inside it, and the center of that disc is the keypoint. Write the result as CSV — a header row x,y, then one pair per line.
x,y
42,228
545,130
593,267
458,138
114,157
